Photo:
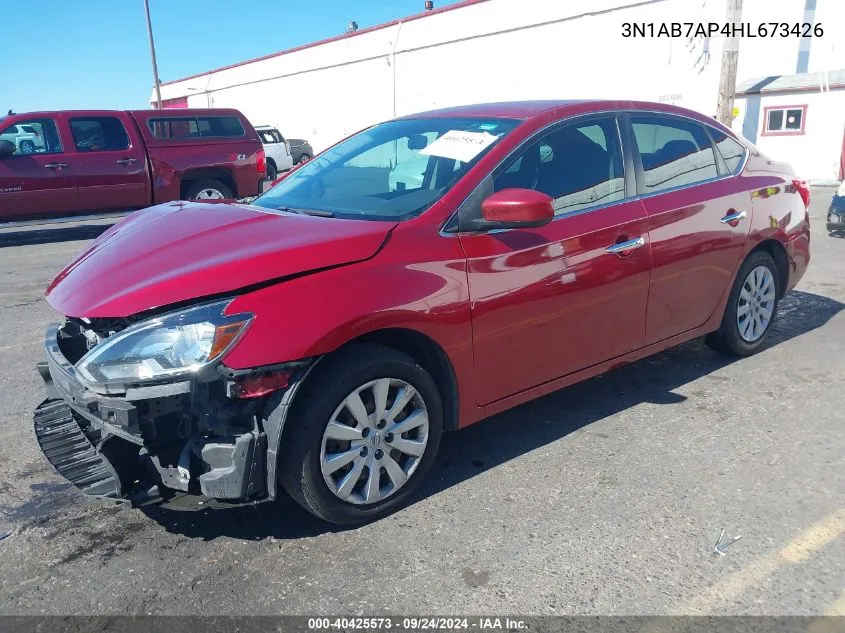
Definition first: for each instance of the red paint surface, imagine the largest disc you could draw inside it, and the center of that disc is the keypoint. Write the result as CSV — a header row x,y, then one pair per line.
x,y
173,252
518,313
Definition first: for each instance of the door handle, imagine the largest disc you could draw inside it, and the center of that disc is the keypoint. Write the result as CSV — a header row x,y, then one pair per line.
x,y
56,166
126,161
734,217
620,248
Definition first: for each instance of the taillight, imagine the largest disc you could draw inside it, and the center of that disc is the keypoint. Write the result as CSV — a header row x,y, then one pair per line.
x,y
261,163
803,189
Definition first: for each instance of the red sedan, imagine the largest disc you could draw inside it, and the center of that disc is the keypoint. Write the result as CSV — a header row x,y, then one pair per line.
x,y
415,278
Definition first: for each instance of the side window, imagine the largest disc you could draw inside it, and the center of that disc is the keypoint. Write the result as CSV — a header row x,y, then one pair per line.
x,y
674,152
171,128
220,126
580,166
267,136
99,134
33,136
731,150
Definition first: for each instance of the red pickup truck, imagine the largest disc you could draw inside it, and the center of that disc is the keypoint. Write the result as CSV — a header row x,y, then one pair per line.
x,y
92,160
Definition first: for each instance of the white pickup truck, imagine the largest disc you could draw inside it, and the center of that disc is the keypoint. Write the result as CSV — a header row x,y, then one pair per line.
x,y
276,150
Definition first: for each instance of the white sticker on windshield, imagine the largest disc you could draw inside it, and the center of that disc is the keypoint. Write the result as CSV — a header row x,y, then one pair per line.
x,y
460,145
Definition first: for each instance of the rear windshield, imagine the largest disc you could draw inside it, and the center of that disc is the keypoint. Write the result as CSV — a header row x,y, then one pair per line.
x,y
183,127
391,171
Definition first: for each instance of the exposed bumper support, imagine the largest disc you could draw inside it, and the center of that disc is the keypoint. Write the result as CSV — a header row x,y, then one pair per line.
x,y
150,441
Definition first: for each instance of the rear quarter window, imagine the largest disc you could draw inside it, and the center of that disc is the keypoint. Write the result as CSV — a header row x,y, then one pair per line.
x,y
731,150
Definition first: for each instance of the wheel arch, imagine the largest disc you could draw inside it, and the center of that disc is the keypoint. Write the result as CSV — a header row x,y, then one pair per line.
x,y
208,173
419,346
777,250
431,357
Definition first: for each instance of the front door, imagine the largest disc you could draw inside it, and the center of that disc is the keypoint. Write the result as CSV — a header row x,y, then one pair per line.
x,y
35,180
109,164
699,217
552,300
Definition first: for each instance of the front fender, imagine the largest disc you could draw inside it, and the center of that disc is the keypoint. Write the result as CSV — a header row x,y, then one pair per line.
x,y
416,282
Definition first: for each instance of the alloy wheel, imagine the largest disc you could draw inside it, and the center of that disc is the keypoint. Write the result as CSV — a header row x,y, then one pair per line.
x,y
374,441
756,304
209,194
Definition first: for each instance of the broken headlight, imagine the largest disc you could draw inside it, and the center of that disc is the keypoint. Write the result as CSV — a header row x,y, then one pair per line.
x,y
172,345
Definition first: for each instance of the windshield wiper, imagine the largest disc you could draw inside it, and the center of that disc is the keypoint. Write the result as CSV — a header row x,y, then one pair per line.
x,y
316,212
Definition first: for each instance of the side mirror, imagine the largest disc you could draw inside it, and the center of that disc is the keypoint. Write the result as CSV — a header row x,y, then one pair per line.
x,y
518,208
7,148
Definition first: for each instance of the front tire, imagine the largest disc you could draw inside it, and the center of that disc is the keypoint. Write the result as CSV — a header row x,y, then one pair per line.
x,y
751,308
27,147
362,435
304,157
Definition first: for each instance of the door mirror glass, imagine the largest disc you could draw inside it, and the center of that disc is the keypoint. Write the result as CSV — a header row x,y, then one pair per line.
x,y
7,148
518,208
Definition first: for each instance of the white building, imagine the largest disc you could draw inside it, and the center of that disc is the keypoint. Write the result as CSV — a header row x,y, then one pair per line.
x,y
497,50
799,118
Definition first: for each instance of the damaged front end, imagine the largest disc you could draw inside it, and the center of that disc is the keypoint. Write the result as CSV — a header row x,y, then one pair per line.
x,y
142,411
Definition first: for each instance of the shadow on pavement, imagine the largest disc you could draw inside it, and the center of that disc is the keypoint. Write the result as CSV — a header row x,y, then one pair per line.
x,y
54,234
509,435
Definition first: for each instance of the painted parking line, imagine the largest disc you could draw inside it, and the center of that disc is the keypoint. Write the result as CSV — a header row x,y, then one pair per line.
x,y
796,551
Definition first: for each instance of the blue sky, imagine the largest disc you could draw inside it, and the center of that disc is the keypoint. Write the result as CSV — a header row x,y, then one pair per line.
x,y
65,54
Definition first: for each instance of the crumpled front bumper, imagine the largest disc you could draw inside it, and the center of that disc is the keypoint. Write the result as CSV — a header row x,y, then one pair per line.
x,y
152,442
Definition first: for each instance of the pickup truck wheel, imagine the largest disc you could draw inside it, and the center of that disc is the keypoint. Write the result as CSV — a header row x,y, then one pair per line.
x,y
207,190
362,435
304,157
751,309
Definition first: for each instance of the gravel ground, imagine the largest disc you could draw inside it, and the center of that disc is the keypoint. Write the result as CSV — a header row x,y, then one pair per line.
x,y
604,498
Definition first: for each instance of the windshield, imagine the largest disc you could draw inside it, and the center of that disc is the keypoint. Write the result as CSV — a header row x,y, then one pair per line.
x,y
393,171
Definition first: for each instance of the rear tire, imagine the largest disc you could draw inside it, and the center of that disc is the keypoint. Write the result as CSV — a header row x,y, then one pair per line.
x,y
320,415
207,190
272,171
304,157
27,147
751,309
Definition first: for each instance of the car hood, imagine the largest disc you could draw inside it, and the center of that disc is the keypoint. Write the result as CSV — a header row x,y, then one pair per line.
x,y
181,251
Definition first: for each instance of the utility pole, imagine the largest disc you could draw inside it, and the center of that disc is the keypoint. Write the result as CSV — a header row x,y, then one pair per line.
x,y
153,55
730,59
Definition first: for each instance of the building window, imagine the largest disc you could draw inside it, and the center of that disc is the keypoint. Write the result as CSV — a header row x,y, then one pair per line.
x,y
784,120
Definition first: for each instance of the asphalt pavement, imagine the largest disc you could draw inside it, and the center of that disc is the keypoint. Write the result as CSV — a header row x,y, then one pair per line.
x,y
604,498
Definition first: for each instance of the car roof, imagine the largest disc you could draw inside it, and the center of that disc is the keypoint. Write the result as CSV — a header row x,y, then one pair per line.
x,y
529,109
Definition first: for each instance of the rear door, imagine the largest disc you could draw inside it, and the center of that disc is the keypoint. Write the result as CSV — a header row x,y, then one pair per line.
x,y
37,182
698,219
108,162
552,300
